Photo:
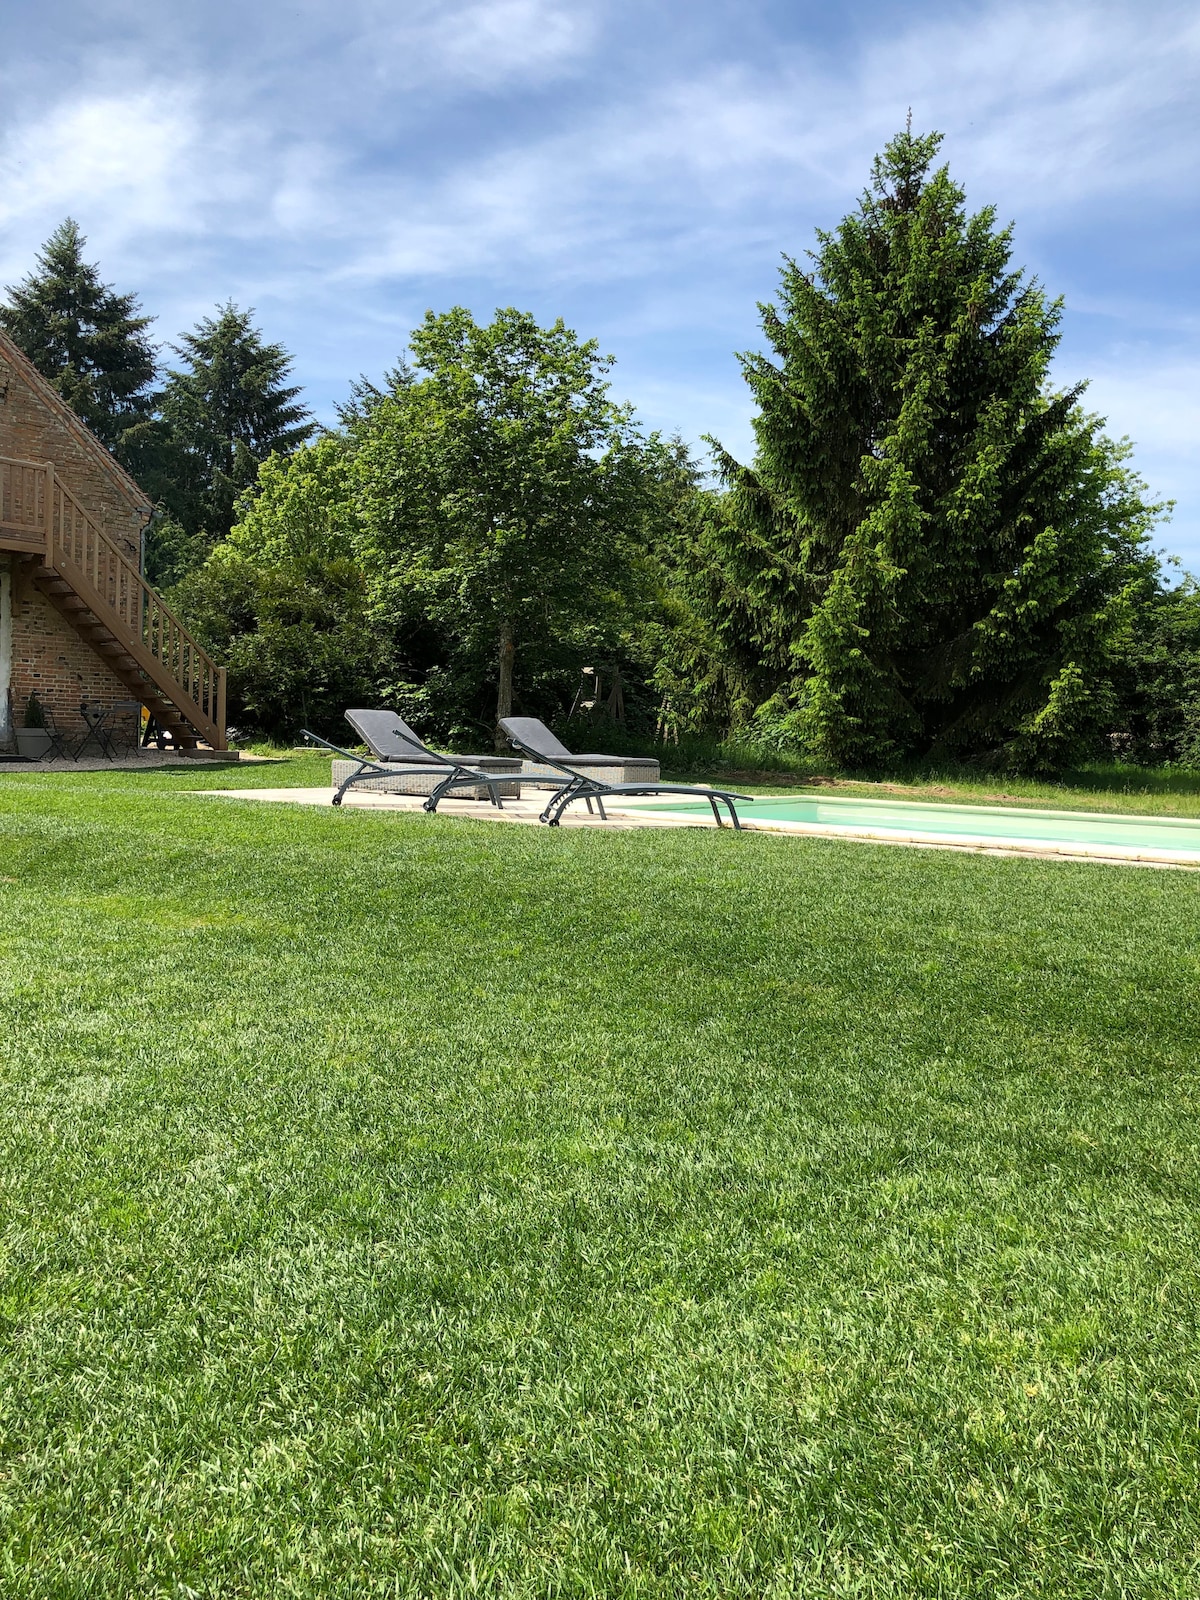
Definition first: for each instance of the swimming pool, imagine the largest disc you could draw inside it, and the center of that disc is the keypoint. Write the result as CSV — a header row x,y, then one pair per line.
x,y
1076,833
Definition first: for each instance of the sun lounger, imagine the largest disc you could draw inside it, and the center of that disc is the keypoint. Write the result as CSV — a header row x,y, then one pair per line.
x,y
399,752
536,741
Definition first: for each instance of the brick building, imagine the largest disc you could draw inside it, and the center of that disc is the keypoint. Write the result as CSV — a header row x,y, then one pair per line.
x,y
78,623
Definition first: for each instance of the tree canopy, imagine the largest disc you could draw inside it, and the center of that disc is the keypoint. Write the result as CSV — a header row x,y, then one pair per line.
x,y
284,600
503,487
935,552
89,341
1158,677
225,410
937,548
500,512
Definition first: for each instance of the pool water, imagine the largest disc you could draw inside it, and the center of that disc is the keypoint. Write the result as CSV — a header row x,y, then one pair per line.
x,y
1089,831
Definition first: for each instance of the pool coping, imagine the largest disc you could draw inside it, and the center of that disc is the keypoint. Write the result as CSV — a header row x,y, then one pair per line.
x,y
956,808
975,844
641,816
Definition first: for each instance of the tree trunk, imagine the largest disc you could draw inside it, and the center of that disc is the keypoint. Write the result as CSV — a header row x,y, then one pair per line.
x,y
504,696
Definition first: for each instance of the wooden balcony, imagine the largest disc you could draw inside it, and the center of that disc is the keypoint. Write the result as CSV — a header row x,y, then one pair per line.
x,y
23,507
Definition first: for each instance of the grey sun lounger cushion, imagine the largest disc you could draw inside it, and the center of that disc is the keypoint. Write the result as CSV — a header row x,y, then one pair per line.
x,y
529,731
613,761
389,738
534,739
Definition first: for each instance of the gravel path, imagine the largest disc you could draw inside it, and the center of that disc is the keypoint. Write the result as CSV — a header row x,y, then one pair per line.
x,y
123,763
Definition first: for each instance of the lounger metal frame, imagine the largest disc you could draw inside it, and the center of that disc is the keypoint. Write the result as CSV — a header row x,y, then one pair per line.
x,y
458,775
581,786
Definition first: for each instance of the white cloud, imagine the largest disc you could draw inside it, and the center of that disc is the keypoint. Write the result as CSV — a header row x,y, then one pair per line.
x,y
1056,103
120,152
389,142
437,46
510,38
1157,399
1048,105
1045,109
141,171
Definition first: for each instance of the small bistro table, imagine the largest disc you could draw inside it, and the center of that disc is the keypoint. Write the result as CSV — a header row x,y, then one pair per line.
x,y
100,726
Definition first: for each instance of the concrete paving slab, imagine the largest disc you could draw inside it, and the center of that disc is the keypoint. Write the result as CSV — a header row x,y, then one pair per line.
x,y
526,811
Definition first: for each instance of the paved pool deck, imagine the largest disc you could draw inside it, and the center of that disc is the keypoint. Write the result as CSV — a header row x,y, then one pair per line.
x,y
643,815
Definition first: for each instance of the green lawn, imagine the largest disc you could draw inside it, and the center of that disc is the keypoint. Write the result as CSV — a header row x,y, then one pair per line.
x,y
396,1205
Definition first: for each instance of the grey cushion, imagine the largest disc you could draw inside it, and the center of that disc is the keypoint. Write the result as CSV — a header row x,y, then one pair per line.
x,y
389,736
535,737
613,761
530,734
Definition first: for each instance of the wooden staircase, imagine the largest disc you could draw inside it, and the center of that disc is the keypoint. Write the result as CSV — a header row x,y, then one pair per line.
x,y
101,593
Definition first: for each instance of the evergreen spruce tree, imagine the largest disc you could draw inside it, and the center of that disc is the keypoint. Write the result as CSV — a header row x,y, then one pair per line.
x,y
223,412
90,342
938,549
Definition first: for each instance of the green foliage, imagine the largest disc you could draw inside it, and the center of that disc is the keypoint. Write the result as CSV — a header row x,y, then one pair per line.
x,y
90,342
700,646
170,552
1159,678
939,552
34,716
284,603
505,497
491,506
196,445
221,415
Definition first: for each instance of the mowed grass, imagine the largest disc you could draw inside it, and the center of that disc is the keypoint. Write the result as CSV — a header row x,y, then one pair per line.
x,y
397,1205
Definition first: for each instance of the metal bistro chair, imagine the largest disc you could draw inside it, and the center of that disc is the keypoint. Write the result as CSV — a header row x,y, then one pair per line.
x,y
133,710
58,739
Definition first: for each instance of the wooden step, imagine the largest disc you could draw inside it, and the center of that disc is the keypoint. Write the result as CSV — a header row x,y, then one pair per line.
x,y
103,634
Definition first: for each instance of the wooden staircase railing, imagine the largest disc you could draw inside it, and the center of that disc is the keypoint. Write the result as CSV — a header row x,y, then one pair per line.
x,y
40,514
22,505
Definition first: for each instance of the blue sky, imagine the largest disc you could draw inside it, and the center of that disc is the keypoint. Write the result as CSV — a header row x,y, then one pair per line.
x,y
637,168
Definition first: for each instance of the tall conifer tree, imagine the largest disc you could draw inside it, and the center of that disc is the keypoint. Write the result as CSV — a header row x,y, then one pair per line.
x,y
224,411
89,341
936,547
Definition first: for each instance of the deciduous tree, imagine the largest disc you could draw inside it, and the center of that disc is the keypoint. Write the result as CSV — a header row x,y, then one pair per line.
x,y
501,485
284,603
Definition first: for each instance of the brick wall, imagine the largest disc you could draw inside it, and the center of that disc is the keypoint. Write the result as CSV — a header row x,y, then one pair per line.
x,y
49,659
36,425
